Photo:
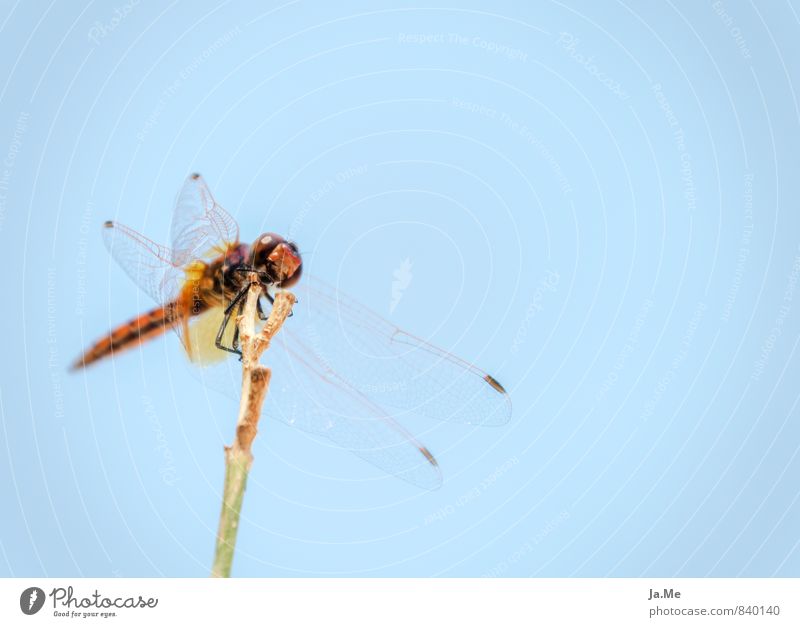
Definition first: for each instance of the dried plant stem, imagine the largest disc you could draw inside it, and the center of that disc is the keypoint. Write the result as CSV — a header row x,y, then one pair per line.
x,y
255,382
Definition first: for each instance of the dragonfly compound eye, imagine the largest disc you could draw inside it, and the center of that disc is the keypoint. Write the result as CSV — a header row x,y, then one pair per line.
x,y
262,248
280,259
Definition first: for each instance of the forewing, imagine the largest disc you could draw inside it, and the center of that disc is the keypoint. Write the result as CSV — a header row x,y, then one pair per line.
x,y
200,227
148,264
306,394
388,364
334,358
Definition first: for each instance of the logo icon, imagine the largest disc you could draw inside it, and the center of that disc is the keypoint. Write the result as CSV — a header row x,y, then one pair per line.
x,y
402,279
31,600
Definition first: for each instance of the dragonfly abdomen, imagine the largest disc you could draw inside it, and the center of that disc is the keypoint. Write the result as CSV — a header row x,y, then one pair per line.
x,y
144,327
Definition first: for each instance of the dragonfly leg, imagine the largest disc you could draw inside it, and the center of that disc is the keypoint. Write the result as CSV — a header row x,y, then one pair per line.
x,y
261,314
235,340
226,320
239,295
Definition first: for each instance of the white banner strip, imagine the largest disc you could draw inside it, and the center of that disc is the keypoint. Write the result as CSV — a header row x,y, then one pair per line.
x,y
389,602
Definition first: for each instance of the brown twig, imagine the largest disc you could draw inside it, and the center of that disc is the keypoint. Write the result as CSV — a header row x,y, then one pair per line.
x,y
255,382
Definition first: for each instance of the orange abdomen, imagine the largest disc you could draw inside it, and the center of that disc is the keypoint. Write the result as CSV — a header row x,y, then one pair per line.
x,y
145,327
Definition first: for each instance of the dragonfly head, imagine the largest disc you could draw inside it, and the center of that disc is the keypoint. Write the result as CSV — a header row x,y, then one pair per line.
x,y
276,257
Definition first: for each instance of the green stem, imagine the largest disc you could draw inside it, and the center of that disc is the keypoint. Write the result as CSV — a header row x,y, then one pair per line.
x,y
237,467
255,382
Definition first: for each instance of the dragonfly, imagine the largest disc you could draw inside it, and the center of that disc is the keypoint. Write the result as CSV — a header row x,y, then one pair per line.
x,y
337,365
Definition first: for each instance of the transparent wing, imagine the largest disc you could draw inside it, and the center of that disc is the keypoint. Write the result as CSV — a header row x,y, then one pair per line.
x,y
201,231
148,264
335,363
389,365
305,394
200,227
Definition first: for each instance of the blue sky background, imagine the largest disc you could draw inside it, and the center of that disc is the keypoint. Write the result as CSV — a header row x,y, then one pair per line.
x,y
599,205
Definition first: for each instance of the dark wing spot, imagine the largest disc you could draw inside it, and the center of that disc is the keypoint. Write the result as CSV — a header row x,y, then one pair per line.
x,y
429,456
494,383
